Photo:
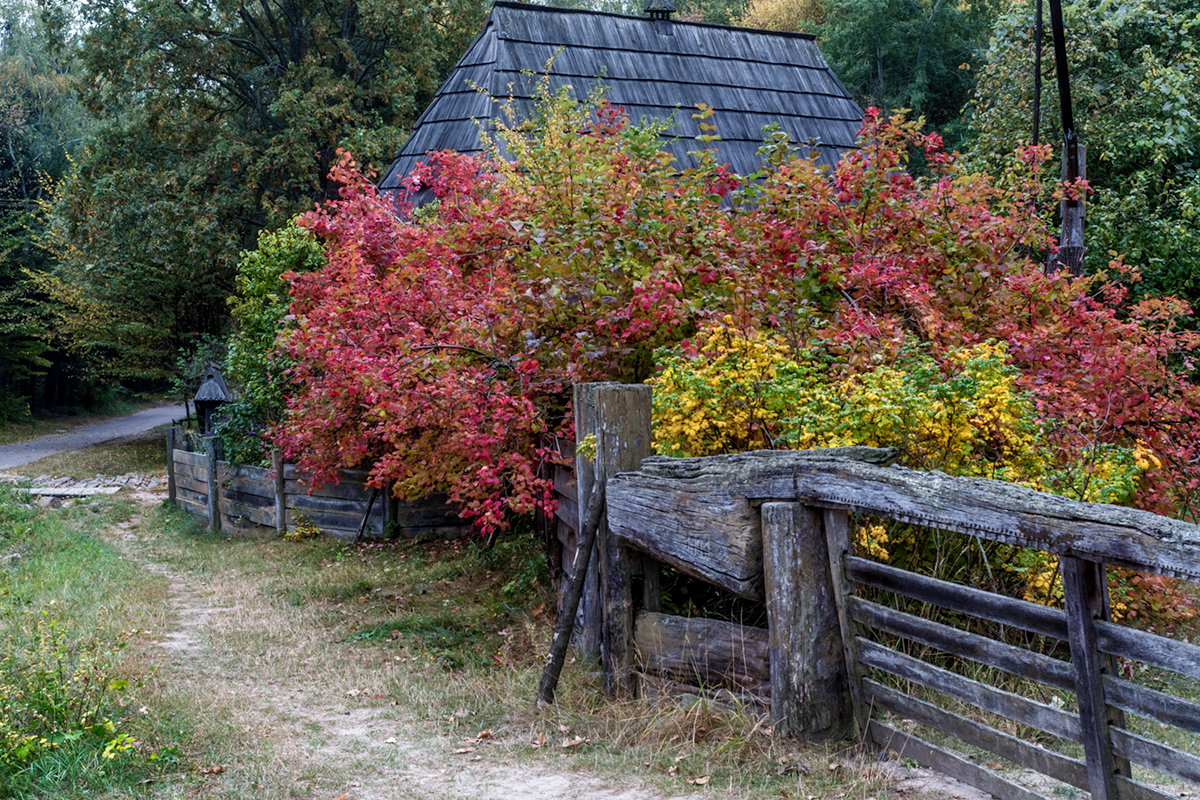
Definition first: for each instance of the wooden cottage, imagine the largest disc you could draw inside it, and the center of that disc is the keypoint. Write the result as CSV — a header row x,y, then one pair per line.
x,y
655,67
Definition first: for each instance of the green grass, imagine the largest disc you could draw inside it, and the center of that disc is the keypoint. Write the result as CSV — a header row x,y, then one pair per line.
x,y
65,689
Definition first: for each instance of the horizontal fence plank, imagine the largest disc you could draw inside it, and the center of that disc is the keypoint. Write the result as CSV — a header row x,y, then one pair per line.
x,y
256,500
1010,658
981,695
696,515
1158,706
197,501
976,602
702,650
190,459
199,472
431,512
1149,648
1156,755
854,480
332,504
259,515
358,476
344,475
711,537
1128,789
248,471
199,485
333,523
1035,757
907,745
339,491
259,487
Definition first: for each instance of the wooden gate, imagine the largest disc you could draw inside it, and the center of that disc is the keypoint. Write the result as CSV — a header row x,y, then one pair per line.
x,y
1037,693
1049,691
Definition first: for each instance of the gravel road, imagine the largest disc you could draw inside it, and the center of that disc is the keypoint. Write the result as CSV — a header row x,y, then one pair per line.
x,y
21,453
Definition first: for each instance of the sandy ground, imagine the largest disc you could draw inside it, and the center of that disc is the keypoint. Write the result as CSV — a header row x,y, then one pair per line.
x,y
21,453
362,750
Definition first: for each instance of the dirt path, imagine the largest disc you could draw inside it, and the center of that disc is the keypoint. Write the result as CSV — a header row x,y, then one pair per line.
x,y
21,453
315,719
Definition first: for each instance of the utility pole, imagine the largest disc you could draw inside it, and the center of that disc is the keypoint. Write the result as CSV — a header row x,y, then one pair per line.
x,y
1070,242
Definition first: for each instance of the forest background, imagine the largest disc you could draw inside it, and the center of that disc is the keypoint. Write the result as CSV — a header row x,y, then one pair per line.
x,y
145,146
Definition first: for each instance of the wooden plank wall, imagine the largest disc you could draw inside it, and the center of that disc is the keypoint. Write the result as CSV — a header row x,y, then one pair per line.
x,y
336,508
247,501
191,483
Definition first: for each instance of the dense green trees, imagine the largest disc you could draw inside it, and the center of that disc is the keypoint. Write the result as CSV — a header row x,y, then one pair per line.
x,y
41,123
1135,77
915,54
218,119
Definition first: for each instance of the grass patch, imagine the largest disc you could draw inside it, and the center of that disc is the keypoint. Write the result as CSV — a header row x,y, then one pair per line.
x,y
439,644
145,452
67,728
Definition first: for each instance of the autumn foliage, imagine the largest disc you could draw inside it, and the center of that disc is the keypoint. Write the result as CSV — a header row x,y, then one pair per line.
x,y
437,346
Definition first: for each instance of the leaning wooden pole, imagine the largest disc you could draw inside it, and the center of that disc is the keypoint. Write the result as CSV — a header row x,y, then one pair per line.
x,y
548,685
1070,242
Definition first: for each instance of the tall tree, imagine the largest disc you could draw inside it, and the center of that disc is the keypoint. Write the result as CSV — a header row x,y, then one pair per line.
x,y
220,118
915,54
41,123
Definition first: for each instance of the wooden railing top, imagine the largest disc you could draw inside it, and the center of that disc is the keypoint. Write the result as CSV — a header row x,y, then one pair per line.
x,y
858,479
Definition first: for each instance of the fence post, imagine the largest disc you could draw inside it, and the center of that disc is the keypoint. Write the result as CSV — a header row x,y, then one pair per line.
x,y
171,492
839,545
618,417
280,492
1084,592
808,665
214,489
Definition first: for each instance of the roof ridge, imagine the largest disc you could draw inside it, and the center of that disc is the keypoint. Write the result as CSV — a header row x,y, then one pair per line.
x,y
541,8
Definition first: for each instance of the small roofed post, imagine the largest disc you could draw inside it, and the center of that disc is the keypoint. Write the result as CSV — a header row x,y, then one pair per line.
x,y
212,394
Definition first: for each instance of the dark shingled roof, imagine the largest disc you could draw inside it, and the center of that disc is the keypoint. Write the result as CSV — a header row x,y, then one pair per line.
x,y
213,389
750,77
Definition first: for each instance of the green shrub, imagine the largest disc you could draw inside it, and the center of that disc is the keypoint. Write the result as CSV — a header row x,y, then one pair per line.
x,y
256,368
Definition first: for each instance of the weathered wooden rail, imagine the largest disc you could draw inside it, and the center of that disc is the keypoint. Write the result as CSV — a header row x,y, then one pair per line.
x,y
238,498
844,653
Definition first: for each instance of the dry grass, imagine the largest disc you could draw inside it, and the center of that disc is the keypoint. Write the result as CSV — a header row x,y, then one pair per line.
x,y
355,669
315,669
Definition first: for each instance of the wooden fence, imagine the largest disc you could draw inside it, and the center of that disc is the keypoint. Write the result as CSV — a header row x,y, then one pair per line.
x,y
238,498
855,646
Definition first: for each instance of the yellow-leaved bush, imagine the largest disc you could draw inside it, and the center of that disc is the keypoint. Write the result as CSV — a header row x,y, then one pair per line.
x,y
960,412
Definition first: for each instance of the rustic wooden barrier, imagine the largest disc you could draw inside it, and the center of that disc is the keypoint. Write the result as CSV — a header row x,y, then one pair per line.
x,y
238,498
775,526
